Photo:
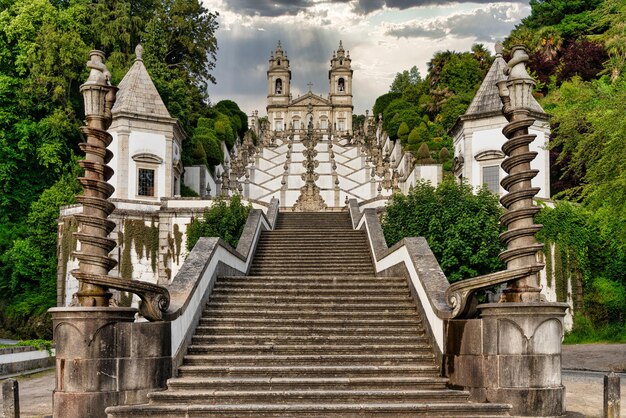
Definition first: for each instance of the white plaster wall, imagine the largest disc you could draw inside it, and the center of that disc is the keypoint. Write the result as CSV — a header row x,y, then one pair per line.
x,y
486,134
144,142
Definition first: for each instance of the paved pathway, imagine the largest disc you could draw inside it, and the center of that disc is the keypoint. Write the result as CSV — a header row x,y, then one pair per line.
x,y
584,367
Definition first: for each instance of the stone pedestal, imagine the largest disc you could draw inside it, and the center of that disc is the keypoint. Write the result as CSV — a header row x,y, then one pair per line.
x,y
512,354
103,358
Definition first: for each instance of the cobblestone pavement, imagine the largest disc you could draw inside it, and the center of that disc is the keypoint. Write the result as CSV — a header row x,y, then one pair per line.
x,y
584,367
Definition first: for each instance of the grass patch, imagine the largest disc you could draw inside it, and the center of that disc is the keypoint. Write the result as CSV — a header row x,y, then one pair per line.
x,y
585,332
38,344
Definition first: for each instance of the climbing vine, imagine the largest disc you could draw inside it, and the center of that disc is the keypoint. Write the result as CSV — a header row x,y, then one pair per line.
x,y
587,255
145,240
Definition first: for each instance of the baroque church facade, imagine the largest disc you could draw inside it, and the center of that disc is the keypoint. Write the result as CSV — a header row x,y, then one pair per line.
x,y
332,113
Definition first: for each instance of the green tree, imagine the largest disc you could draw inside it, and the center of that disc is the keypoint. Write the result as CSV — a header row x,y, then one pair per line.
x,y
405,80
461,227
382,102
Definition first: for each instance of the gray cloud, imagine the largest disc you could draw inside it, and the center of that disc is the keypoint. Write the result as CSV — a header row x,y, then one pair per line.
x,y
364,7
274,8
416,31
271,8
486,25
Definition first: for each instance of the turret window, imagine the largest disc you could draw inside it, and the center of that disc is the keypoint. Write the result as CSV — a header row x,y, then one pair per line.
x,y
279,86
278,62
341,85
491,178
146,182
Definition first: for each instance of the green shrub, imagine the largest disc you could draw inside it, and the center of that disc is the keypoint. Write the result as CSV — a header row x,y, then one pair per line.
x,y
186,191
225,219
461,227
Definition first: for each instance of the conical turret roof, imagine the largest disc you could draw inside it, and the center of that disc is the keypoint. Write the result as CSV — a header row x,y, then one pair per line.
x,y
487,99
137,94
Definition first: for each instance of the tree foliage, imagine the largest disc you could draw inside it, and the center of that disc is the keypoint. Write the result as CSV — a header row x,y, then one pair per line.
x,y
44,45
461,226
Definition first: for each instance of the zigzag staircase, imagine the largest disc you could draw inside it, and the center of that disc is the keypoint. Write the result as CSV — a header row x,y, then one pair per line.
x,y
310,332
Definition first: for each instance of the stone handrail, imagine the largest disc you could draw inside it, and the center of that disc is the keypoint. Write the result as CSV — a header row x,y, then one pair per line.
x,y
440,300
419,263
210,258
460,295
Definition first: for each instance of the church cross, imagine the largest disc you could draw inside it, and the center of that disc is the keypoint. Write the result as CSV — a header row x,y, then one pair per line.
x,y
310,85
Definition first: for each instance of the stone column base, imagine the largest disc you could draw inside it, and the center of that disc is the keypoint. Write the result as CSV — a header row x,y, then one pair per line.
x,y
104,358
512,354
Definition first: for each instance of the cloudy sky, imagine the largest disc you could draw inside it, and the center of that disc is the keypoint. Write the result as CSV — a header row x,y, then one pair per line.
x,y
383,36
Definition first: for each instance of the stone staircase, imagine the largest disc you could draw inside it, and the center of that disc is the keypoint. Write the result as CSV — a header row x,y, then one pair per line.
x,y
310,332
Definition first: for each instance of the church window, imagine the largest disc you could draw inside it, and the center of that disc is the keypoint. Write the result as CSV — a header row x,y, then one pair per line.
x,y
279,86
278,125
491,178
296,124
340,62
324,124
341,84
146,182
278,62
342,124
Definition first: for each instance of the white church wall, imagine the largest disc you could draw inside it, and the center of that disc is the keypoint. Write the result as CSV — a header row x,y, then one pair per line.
x,y
482,135
145,142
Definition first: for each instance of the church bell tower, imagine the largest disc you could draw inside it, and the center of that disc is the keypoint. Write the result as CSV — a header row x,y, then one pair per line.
x,y
278,88
340,79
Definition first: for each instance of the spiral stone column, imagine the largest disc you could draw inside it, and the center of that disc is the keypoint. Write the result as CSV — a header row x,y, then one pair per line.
x,y
522,247
94,227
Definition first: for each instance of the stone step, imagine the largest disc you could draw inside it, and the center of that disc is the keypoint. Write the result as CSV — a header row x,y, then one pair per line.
x,y
328,284
297,299
303,278
300,231
321,291
296,383
348,410
305,256
220,397
313,239
311,330
285,349
262,312
310,270
307,359
321,252
295,261
339,281
328,306
244,323
313,371
308,339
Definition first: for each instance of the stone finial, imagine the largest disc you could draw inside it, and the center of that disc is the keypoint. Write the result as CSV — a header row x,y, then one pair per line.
x,y
516,67
139,53
340,46
99,72
499,49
